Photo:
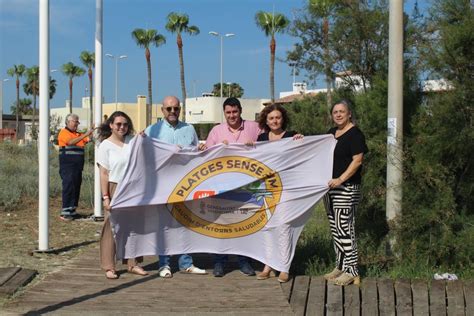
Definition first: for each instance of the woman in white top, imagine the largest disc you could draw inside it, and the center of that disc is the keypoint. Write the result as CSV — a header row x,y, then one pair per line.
x,y
115,134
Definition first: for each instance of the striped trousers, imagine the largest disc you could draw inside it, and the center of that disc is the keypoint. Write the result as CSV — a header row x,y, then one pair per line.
x,y
341,204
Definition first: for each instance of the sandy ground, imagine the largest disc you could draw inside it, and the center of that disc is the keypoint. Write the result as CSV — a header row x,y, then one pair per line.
x,y
19,238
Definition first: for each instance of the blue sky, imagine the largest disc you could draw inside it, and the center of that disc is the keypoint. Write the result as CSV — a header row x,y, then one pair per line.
x,y
72,30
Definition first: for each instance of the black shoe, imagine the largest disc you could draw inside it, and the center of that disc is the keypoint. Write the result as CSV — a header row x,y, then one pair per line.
x,y
75,215
218,270
247,269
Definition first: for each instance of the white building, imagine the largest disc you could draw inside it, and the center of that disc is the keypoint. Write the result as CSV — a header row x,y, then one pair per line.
x,y
347,79
209,109
136,111
300,88
83,112
437,85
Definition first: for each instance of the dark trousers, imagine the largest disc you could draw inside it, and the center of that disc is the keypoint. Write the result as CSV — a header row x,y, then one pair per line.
x,y
222,259
70,170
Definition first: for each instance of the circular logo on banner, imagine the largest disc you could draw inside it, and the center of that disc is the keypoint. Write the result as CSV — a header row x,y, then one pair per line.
x,y
228,212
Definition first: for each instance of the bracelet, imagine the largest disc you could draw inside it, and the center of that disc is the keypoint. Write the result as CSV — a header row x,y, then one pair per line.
x,y
105,197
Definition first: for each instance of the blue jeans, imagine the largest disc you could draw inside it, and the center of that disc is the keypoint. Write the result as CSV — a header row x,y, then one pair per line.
x,y
222,259
184,261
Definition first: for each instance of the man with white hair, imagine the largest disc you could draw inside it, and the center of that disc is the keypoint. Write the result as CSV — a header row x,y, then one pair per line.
x,y
71,162
173,131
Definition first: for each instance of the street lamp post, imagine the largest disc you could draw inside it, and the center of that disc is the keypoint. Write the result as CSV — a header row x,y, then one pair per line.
x,y
222,44
116,73
1,101
228,88
194,88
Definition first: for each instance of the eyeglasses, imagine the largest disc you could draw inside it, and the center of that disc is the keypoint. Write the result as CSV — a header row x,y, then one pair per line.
x,y
121,124
175,108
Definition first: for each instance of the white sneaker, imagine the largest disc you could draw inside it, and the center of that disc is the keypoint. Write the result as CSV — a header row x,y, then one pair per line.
x,y
165,272
194,270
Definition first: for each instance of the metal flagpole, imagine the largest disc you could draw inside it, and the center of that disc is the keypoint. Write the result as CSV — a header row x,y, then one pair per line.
x,y
98,214
43,155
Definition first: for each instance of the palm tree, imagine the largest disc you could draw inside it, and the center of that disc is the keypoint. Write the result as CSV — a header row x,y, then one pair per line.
x,y
31,87
272,23
230,90
22,108
17,71
88,59
71,70
145,38
178,23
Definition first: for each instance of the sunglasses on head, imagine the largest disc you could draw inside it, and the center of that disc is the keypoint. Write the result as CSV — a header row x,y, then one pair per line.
x,y
175,108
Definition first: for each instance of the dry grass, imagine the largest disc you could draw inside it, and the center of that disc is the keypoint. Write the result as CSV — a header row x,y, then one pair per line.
x,y
19,238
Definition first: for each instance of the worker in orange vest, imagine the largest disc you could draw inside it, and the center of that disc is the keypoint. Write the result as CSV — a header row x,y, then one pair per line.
x,y
71,163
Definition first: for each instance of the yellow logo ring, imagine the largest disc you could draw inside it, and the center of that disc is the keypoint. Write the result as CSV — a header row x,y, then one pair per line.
x,y
203,172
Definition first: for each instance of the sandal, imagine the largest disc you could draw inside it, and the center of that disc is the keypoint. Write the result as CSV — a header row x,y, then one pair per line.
x,y
283,277
346,279
265,274
111,274
333,274
137,270
165,272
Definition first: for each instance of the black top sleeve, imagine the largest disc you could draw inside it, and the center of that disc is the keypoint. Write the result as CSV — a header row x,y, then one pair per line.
x,y
358,143
262,137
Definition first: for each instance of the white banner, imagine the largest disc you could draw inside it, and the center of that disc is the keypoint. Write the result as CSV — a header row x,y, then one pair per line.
x,y
233,199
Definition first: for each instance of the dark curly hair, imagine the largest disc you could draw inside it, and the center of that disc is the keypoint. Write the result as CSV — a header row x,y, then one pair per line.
x,y
104,129
262,119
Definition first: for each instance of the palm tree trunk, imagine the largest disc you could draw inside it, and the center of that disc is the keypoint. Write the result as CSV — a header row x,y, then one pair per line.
x,y
181,67
150,100
272,69
90,98
17,123
70,95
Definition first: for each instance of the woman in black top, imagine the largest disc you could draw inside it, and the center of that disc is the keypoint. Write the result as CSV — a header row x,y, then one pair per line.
x,y
343,197
273,121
